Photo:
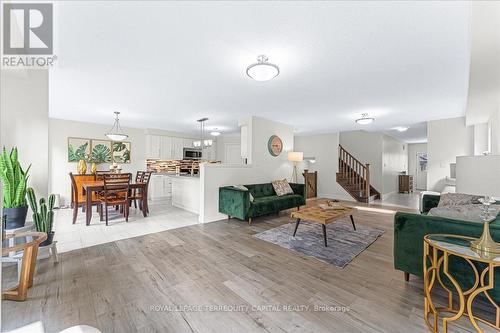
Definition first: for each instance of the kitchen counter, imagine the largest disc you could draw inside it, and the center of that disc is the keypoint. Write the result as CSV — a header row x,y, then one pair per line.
x,y
187,176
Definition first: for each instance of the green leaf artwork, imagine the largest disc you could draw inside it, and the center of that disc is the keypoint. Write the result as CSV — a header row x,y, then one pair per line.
x,y
121,152
78,149
101,154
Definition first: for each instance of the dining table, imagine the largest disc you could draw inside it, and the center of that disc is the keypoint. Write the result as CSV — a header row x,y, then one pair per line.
x,y
98,185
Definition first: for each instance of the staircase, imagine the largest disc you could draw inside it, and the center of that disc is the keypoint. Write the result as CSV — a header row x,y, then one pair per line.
x,y
354,177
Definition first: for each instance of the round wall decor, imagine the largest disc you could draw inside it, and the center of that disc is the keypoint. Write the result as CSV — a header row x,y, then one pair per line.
x,y
275,145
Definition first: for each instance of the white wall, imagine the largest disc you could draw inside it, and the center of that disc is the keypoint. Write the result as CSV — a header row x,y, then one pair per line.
x,y
325,149
222,141
484,74
495,133
60,130
24,121
479,175
367,147
413,149
258,131
213,176
263,168
446,139
481,139
394,161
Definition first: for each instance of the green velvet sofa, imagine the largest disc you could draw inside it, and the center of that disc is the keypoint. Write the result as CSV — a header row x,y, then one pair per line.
x,y
235,202
409,232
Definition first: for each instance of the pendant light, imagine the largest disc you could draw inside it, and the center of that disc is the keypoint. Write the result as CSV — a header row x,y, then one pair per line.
x,y
116,133
262,70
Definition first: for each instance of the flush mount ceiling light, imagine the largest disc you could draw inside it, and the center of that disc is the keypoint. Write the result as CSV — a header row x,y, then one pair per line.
x,y
116,133
215,132
262,70
401,128
365,120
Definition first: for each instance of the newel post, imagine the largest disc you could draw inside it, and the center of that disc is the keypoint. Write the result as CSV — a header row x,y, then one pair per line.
x,y
368,182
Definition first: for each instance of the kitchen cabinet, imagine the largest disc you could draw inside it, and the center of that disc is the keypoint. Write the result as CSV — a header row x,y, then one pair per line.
x,y
160,186
166,148
209,153
178,148
153,144
188,143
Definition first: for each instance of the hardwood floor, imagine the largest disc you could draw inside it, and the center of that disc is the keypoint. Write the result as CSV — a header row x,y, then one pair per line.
x,y
128,285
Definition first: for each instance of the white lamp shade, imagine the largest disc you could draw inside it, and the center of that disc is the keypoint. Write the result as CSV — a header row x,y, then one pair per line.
x,y
116,137
295,156
263,72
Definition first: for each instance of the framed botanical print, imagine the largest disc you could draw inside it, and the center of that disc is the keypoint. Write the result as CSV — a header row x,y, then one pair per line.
x,y
101,151
121,152
275,145
78,149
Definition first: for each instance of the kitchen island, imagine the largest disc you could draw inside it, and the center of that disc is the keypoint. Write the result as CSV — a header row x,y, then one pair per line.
x,y
186,192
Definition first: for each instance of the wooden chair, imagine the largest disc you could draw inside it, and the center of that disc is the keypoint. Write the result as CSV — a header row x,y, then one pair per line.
x,y
78,199
140,177
116,193
100,174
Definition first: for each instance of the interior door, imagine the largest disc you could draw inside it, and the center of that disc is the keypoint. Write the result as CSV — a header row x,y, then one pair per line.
x,y
232,153
421,171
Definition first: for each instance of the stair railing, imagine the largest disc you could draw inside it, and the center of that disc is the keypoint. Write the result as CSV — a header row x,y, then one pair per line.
x,y
356,173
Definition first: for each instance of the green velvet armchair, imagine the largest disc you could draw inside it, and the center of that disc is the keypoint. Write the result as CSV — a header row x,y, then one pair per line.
x,y
409,232
235,202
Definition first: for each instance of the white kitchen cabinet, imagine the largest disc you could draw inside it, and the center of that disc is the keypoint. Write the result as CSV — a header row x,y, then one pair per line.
x,y
188,143
209,153
160,186
153,146
166,148
178,148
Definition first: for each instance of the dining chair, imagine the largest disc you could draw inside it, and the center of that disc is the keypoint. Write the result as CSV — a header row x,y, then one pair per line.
x,y
137,194
78,199
116,193
100,174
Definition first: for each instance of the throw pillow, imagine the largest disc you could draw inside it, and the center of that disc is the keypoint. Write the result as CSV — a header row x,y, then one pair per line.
x,y
458,199
243,188
281,187
461,212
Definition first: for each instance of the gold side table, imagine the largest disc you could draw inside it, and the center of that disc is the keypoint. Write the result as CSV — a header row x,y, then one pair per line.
x,y
437,250
28,243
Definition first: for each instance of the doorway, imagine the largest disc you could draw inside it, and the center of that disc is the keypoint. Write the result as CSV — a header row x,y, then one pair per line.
x,y
421,171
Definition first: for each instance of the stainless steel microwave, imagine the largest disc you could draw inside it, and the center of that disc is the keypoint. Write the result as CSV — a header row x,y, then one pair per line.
x,y
192,154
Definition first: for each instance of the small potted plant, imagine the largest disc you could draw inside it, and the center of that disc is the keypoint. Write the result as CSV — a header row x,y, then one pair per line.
x,y
43,218
14,181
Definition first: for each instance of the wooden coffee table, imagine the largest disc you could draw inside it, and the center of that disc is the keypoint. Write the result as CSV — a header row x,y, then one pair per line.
x,y
322,216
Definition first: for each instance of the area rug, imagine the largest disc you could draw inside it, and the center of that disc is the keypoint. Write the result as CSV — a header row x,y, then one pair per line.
x,y
344,244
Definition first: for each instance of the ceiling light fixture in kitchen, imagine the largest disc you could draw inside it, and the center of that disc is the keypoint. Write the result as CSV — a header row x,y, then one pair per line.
x,y
116,133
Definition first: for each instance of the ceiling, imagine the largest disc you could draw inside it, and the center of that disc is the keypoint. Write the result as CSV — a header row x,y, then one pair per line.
x,y
166,64
416,133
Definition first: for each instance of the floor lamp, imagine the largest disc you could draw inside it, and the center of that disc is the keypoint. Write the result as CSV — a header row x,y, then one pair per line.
x,y
295,157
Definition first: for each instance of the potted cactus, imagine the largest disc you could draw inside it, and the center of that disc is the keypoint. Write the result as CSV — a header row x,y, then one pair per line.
x,y
43,217
14,180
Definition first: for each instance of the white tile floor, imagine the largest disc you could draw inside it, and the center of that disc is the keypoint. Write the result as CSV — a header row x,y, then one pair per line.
x,y
163,216
408,200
